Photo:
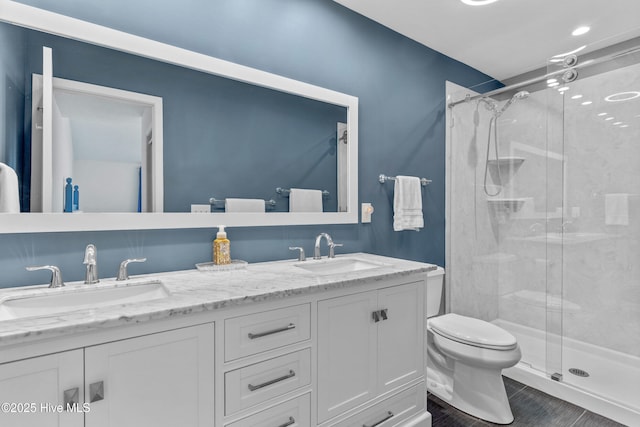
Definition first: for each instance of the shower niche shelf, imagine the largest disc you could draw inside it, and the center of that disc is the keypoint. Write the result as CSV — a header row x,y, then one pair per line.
x,y
503,168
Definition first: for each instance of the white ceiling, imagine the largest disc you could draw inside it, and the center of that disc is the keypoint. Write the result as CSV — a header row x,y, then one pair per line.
x,y
509,37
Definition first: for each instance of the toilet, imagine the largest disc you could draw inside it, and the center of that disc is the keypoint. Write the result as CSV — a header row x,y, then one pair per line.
x,y
465,359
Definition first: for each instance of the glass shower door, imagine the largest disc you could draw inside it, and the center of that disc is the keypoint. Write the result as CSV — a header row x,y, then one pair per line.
x,y
594,342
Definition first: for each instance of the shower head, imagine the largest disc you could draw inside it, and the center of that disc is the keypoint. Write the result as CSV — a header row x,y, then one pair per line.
x,y
519,95
489,104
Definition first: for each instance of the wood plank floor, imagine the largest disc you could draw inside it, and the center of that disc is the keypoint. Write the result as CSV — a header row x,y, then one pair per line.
x,y
530,407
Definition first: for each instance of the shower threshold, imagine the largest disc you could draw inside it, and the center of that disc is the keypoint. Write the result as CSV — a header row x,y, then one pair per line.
x,y
611,389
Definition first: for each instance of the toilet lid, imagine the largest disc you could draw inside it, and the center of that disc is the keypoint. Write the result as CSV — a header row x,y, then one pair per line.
x,y
476,332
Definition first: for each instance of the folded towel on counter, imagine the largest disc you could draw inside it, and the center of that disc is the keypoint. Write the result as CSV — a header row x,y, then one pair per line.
x,y
9,195
301,200
244,205
616,209
407,204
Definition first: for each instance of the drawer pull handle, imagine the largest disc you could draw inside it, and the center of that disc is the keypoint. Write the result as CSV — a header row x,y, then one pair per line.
x,y
291,374
389,415
291,421
71,398
274,331
376,316
383,314
96,391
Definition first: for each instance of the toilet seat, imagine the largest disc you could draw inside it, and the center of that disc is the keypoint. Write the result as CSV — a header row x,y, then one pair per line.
x,y
474,332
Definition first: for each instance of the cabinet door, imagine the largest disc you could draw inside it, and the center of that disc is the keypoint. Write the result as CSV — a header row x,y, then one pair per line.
x,y
347,353
400,336
164,379
35,387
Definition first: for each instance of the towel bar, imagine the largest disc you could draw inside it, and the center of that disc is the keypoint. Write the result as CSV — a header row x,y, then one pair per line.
x,y
285,192
214,201
382,178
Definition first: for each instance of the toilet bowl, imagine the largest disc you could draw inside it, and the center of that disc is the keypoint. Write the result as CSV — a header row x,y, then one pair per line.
x,y
465,359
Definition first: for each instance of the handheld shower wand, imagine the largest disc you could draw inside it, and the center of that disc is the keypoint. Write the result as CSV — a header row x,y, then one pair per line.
x,y
492,106
520,95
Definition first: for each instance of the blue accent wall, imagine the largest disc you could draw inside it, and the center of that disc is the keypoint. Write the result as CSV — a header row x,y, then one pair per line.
x,y
401,88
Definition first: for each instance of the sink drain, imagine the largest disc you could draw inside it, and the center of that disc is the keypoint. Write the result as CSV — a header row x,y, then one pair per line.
x,y
579,372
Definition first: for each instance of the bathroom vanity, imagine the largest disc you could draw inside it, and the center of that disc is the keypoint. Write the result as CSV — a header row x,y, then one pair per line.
x,y
331,342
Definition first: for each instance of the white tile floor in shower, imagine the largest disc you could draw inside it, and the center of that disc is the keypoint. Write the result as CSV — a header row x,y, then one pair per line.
x,y
613,376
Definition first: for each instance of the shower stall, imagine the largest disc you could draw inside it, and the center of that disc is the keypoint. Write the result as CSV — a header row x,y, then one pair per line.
x,y
543,224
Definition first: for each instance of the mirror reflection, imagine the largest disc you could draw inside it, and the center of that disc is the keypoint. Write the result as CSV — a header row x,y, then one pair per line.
x,y
220,139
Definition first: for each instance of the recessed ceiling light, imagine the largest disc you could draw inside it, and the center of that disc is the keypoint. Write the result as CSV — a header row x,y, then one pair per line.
x,y
624,126
580,31
552,80
602,114
617,123
587,103
609,118
478,2
576,97
563,89
622,96
554,84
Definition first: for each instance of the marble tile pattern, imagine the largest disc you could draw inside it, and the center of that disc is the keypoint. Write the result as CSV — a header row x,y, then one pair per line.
x,y
194,291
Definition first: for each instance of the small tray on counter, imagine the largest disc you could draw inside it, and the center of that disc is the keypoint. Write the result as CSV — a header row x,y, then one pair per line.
x,y
236,264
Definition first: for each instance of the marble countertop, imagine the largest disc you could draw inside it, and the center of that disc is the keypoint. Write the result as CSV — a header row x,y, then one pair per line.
x,y
194,291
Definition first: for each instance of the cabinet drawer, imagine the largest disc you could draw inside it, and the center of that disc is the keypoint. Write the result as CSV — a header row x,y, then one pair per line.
x,y
394,410
255,333
292,413
257,383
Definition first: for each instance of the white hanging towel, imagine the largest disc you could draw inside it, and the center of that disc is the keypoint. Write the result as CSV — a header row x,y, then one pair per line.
x,y
244,205
407,204
301,200
616,209
9,195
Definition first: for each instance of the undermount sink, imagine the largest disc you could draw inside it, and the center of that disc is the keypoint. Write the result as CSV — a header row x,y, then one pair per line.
x,y
45,302
338,265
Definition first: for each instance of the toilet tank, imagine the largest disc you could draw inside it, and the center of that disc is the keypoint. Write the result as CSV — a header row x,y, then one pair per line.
x,y
435,287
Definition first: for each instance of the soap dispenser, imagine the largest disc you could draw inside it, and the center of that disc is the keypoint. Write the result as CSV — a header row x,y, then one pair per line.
x,y
221,248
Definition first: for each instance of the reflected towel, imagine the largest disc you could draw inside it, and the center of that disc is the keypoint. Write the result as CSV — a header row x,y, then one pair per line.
x,y
9,195
301,200
616,209
407,204
244,205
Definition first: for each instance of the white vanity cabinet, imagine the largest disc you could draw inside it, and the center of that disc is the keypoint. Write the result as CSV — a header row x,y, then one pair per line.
x,y
27,385
268,367
164,379
161,379
313,351
369,344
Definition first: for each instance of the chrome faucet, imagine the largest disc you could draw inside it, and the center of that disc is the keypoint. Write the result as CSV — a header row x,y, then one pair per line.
x,y
56,275
301,256
332,246
91,261
122,271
